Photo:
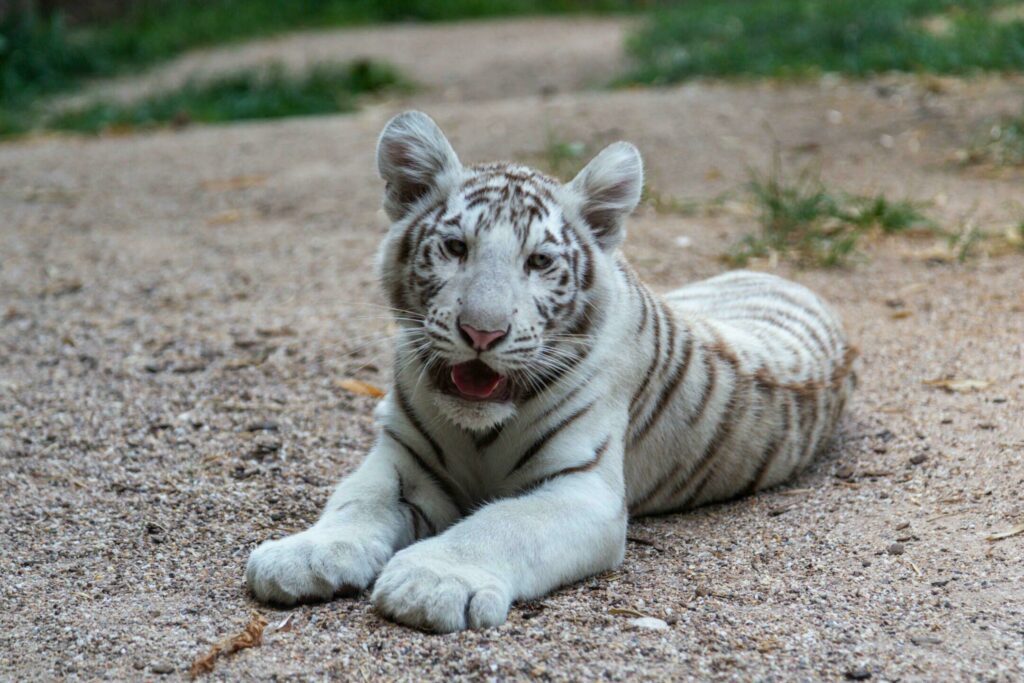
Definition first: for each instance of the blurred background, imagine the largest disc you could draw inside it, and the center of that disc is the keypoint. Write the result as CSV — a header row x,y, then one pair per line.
x,y
111,67
49,47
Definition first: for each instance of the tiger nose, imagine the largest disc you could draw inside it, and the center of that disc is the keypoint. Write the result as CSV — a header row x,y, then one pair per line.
x,y
481,340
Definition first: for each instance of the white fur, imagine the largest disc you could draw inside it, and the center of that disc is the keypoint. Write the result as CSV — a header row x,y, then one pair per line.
x,y
512,527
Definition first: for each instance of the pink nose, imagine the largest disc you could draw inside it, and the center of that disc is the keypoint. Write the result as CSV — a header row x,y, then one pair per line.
x,y
481,340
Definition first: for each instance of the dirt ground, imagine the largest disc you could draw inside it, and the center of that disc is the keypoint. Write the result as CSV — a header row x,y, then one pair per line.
x,y
176,310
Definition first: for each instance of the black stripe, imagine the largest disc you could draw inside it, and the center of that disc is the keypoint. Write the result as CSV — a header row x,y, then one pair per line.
x,y
711,369
403,404
549,378
588,269
656,490
771,303
771,453
816,411
548,435
416,224
639,290
667,393
485,440
417,511
731,416
697,490
564,400
583,467
782,319
791,344
448,487
655,357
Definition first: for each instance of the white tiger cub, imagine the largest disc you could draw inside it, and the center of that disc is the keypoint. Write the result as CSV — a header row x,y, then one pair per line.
x,y
542,394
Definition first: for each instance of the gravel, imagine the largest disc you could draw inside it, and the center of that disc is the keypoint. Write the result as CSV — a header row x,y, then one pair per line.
x,y
143,335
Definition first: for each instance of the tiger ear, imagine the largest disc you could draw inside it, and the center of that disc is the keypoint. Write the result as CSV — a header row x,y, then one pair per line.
x,y
609,189
415,159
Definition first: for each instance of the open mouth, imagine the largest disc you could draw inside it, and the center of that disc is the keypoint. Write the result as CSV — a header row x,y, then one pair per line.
x,y
475,381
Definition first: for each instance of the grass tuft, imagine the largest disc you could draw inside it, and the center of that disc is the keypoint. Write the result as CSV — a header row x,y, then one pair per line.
x,y
803,221
808,37
1002,144
265,93
563,159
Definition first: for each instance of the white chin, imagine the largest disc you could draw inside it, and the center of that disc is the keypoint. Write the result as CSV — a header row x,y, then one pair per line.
x,y
475,416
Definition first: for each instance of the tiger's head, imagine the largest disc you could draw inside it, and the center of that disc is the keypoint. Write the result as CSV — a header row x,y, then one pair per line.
x,y
496,272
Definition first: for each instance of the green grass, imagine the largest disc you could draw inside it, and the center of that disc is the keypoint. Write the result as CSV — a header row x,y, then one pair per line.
x,y
163,29
252,94
803,221
1001,144
41,54
806,37
563,158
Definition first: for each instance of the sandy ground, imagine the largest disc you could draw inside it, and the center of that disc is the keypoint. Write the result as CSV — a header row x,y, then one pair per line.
x,y
177,308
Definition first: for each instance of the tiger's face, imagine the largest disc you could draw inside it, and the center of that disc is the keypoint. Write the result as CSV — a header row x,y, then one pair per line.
x,y
493,270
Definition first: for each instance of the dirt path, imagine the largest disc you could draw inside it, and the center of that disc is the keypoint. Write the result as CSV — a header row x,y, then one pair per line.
x,y
175,310
454,62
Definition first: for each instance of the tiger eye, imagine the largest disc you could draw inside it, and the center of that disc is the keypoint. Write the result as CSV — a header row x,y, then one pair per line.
x,y
456,247
538,261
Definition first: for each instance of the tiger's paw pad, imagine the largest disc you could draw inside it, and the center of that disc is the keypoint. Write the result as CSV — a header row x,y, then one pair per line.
x,y
312,565
431,594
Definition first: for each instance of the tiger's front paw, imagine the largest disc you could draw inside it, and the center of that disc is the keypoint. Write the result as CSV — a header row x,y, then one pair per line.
x,y
425,588
316,564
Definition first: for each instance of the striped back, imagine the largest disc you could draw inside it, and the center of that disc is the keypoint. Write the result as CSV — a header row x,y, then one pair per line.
x,y
752,373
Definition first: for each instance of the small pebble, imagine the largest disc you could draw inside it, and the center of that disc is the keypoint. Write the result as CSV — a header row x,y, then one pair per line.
x,y
925,640
895,549
918,459
650,623
859,673
902,525
161,668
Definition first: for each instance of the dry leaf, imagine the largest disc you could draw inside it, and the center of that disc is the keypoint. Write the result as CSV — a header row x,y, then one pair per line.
x,y
250,637
959,386
938,253
62,287
224,217
1000,535
359,387
900,315
237,183
280,331
286,624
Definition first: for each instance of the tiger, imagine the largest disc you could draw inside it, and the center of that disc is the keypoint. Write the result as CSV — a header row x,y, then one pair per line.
x,y
543,395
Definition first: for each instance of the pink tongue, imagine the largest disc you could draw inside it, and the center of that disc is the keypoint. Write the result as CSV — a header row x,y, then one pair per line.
x,y
475,379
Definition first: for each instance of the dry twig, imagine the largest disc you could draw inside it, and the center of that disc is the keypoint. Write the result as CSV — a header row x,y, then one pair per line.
x,y
252,636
